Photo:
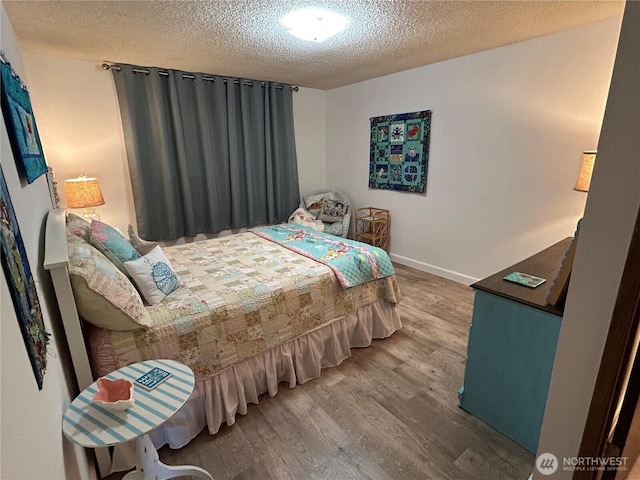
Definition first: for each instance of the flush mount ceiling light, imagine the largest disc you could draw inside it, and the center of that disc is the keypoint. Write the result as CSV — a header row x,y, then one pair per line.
x,y
314,24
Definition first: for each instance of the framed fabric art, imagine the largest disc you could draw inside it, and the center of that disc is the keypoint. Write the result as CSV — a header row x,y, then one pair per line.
x,y
21,126
21,286
399,153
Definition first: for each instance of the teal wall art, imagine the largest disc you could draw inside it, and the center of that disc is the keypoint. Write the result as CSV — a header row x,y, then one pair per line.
x,y
399,153
22,286
21,126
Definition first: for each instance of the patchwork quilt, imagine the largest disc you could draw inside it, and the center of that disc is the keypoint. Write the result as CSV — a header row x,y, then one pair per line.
x,y
354,263
241,295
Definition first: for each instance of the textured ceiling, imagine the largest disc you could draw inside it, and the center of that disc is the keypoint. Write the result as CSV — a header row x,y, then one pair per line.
x,y
243,38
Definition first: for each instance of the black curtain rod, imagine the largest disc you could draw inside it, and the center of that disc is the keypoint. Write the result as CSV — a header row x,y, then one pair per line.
x,y
107,66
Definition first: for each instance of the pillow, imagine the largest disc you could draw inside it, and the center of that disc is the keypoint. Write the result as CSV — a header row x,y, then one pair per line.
x,y
332,210
334,229
78,226
142,246
313,202
104,296
153,275
112,244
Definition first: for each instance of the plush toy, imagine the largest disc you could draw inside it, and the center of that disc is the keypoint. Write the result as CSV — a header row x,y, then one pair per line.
x,y
303,217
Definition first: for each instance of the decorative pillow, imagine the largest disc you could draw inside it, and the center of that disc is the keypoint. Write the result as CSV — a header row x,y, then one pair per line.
x,y
142,246
313,203
332,210
302,217
112,244
153,275
78,226
103,295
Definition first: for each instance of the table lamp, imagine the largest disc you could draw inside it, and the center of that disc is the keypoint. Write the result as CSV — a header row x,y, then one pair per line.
x,y
586,169
84,192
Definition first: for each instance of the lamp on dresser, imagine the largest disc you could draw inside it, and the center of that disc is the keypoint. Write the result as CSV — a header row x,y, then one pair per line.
x,y
84,192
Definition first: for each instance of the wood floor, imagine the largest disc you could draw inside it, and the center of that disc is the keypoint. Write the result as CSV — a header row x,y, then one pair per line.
x,y
388,413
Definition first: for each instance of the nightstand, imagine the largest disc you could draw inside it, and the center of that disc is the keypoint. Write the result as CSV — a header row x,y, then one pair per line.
x,y
373,226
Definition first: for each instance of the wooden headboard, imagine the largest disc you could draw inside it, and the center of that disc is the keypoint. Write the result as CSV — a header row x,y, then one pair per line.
x,y
56,260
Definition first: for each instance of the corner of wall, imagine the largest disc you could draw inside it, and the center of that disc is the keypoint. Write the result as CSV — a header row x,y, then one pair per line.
x,y
605,235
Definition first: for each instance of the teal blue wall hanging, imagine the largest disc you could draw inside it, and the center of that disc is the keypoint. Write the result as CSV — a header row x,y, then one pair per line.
x,y
21,126
399,153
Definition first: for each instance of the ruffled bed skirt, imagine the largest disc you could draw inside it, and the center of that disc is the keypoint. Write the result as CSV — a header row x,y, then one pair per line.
x,y
217,399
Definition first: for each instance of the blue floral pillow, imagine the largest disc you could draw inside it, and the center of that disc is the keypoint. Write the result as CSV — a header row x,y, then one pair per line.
x,y
154,276
112,244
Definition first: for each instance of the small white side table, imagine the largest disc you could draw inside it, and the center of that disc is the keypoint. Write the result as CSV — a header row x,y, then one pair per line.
x,y
93,426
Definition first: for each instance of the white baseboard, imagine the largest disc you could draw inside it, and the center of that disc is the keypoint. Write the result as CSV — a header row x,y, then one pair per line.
x,y
441,272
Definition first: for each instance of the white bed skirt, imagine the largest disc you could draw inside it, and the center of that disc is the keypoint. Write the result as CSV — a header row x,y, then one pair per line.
x,y
216,400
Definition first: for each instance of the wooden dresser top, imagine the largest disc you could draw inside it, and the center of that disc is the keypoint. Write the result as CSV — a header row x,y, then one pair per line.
x,y
545,264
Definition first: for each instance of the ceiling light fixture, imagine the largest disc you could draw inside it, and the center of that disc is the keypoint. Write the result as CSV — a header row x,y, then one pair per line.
x,y
314,24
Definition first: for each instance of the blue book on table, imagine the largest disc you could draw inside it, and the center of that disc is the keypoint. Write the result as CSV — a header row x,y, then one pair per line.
x,y
153,378
525,279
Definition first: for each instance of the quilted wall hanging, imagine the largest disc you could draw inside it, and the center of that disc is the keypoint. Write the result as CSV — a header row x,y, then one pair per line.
x,y
22,286
21,125
399,153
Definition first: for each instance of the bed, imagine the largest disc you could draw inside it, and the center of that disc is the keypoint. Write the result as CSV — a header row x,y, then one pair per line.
x,y
250,311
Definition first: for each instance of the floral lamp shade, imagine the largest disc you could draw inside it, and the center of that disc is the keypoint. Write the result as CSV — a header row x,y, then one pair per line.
x,y
586,169
84,192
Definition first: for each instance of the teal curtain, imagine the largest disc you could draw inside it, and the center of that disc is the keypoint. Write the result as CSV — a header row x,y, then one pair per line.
x,y
206,153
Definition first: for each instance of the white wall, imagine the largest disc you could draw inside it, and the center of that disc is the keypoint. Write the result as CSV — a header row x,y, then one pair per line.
x,y
81,130
310,114
602,250
31,441
508,129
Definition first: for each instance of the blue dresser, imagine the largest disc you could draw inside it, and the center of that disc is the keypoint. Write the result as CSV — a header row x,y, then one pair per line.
x,y
512,345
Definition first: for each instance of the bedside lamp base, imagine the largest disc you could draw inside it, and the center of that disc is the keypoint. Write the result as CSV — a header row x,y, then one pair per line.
x,y
90,214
